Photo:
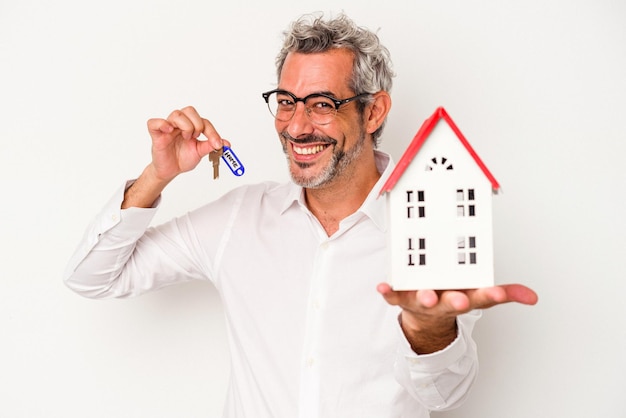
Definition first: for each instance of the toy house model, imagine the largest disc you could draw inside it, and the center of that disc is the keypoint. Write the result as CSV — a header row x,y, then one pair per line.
x,y
440,215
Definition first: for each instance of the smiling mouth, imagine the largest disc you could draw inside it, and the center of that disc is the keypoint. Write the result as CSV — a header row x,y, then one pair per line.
x,y
309,150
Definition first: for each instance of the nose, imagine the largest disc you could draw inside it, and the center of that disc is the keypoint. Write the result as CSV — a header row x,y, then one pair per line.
x,y
299,124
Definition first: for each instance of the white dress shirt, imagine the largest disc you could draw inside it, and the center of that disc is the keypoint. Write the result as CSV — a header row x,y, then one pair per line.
x,y
309,335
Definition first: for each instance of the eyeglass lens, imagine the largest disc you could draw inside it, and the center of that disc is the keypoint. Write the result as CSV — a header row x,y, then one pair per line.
x,y
319,109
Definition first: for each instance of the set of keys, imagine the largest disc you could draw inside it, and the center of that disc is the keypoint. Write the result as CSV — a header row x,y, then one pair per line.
x,y
229,157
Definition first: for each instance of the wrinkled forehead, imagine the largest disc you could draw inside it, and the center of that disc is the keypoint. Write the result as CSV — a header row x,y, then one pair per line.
x,y
329,72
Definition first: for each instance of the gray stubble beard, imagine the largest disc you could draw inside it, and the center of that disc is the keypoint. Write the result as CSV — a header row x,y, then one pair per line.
x,y
338,165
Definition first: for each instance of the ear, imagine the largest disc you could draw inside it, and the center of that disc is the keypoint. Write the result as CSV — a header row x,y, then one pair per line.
x,y
377,111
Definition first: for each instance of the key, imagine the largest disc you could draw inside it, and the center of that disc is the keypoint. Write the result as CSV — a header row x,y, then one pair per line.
x,y
215,156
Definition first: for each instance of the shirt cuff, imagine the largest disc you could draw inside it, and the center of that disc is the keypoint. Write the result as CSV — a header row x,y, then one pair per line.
x,y
135,222
440,380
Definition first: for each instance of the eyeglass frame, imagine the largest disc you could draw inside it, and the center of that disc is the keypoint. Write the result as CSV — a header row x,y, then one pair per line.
x,y
337,102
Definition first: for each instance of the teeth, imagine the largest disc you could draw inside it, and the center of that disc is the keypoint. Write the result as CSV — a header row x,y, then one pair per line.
x,y
308,150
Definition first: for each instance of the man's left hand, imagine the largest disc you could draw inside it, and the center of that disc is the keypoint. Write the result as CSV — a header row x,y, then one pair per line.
x,y
428,317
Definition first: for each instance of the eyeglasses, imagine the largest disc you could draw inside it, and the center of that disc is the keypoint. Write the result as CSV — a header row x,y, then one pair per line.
x,y
320,108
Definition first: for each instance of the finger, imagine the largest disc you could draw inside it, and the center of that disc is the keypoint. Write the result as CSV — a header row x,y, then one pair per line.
x,y
180,120
487,297
427,298
196,120
454,301
520,294
406,299
409,299
214,140
212,136
159,126
392,297
491,296
205,147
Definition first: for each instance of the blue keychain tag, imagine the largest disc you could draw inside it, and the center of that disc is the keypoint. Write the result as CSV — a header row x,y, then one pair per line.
x,y
232,161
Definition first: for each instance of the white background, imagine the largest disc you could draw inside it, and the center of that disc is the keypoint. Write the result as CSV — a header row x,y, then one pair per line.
x,y
538,87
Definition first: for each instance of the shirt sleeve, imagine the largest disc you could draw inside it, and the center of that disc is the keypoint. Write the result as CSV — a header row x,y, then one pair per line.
x,y
120,256
441,380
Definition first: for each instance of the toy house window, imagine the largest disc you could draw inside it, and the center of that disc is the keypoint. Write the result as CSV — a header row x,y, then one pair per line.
x,y
417,252
465,202
466,250
410,209
440,163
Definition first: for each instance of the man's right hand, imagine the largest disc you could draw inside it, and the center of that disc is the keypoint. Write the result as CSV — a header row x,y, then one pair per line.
x,y
175,145
175,150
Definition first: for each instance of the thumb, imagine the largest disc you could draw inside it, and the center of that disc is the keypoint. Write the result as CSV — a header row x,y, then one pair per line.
x,y
391,297
206,147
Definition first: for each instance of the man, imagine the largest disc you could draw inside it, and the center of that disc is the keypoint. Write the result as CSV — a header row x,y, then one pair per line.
x,y
299,265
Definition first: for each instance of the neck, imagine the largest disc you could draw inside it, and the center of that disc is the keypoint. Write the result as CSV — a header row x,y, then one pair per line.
x,y
342,197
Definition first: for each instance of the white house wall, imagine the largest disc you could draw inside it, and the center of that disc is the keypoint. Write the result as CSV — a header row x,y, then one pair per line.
x,y
441,227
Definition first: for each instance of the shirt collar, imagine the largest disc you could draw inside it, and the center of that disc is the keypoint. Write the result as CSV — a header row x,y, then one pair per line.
x,y
373,207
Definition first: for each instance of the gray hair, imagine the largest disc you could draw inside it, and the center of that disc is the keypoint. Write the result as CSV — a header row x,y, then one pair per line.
x,y
372,69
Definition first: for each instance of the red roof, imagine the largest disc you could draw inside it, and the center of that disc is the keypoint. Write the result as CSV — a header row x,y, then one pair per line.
x,y
419,139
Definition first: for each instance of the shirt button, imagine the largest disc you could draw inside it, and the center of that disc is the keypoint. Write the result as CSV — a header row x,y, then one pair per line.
x,y
114,217
310,362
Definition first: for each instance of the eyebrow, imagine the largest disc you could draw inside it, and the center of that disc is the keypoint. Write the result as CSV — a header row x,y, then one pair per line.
x,y
325,92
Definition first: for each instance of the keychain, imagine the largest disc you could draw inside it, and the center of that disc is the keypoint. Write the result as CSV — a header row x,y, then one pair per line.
x,y
229,157
231,160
